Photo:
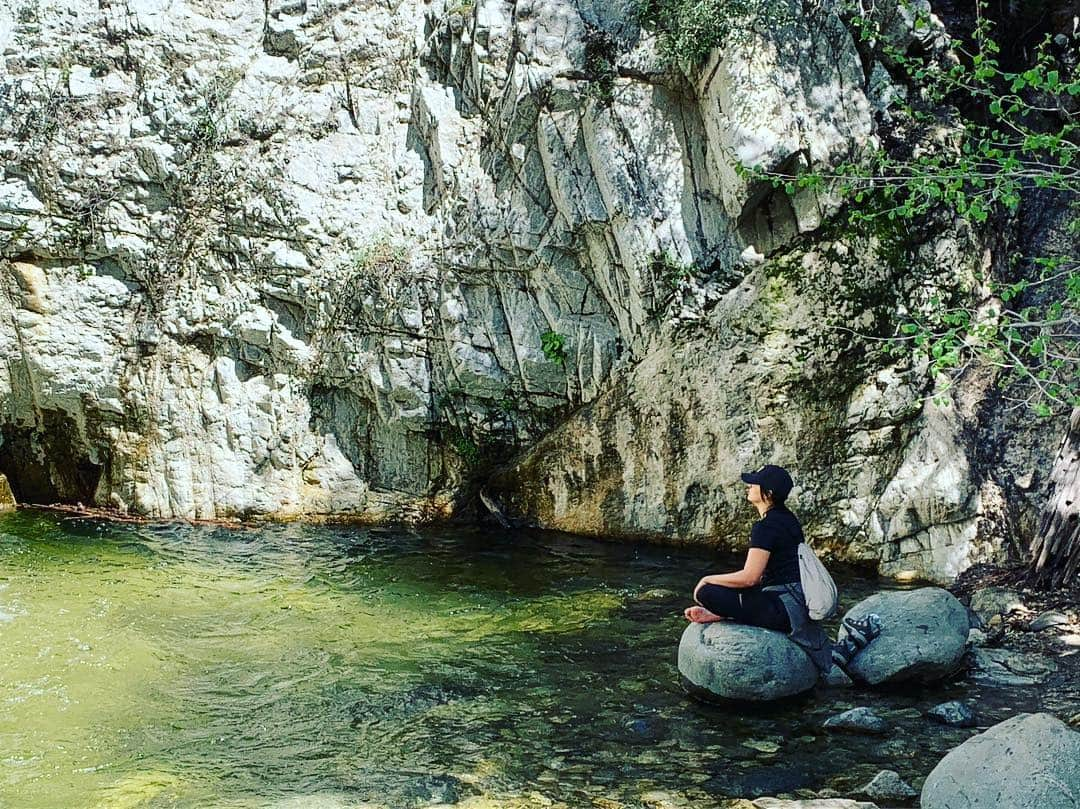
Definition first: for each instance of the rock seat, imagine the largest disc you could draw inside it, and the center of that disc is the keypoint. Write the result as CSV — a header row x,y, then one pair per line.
x,y
737,662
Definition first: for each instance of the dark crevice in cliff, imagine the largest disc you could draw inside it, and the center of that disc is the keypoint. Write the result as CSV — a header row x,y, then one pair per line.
x,y
44,464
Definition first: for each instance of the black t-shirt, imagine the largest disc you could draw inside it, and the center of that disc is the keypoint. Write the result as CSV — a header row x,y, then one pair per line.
x,y
779,533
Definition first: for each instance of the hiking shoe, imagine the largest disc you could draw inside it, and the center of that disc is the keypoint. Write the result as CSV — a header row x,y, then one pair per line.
x,y
863,630
843,653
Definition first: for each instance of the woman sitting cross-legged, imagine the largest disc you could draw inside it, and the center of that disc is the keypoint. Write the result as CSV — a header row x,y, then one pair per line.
x,y
767,591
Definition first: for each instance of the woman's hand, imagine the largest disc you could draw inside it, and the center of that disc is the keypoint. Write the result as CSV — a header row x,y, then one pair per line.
x,y
705,580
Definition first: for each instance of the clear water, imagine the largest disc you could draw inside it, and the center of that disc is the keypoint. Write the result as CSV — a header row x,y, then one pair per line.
x,y
301,666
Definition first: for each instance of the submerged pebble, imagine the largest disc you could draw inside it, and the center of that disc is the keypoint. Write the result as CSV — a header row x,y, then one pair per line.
x,y
857,720
762,745
954,713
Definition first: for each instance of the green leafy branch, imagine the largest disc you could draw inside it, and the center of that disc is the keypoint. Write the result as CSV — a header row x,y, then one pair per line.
x,y
1036,345
688,30
976,137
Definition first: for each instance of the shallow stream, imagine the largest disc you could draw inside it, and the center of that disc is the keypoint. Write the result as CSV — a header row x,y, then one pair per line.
x,y
300,666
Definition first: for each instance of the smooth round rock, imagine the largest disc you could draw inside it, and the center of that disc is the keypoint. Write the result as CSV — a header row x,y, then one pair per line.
x,y
1031,761
923,637
739,662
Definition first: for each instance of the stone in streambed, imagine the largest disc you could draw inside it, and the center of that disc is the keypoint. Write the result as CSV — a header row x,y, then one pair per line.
x,y
1031,761
857,720
923,637
762,745
739,662
991,601
887,785
954,713
812,803
1001,667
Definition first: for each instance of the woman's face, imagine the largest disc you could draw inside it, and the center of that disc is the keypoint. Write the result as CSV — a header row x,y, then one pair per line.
x,y
753,493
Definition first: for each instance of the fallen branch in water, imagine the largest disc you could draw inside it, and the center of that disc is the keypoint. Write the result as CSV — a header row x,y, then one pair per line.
x,y
113,515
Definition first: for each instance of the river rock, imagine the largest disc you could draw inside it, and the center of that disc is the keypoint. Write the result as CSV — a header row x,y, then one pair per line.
x,y
857,720
954,713
887,785
1031,761
993,601
658,799
923,637
1047,620
1006,667
738,662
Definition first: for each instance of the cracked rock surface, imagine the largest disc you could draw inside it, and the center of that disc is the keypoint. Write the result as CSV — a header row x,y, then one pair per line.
x,y
315,257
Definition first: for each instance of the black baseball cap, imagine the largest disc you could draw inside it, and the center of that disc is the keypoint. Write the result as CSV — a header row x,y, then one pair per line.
x,y
771,478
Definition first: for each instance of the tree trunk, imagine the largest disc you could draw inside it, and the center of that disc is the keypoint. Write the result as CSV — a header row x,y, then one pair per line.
x,y
1055,549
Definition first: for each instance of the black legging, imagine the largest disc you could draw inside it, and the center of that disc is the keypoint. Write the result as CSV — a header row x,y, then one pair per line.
x,y
746,605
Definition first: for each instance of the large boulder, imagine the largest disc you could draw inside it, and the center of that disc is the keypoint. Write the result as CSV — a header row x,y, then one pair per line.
x,y
739,662
1031,761
923,637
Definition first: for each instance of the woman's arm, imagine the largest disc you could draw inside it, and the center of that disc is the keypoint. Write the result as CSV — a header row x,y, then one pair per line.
x,y
750,575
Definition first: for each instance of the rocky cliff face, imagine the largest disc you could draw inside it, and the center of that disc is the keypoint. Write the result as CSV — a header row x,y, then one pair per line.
x,y
304,258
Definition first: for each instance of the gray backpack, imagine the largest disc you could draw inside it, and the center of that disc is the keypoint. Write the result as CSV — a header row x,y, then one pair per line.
x,y
817,585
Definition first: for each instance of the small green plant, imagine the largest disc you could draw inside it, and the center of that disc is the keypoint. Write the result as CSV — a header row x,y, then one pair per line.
x,y
445,400
600,58
27,13
671,271
553,345
466,449
688,30
380,254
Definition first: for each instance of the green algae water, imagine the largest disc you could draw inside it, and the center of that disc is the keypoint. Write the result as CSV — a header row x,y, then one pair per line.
x,y
302,666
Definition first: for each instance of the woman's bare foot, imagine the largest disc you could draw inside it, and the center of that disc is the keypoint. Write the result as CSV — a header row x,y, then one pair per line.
x,y
700,615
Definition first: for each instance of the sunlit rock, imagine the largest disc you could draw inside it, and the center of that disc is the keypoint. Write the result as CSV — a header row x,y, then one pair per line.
x,y
923,636
1031,761
738,662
